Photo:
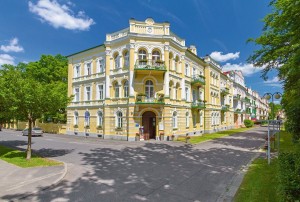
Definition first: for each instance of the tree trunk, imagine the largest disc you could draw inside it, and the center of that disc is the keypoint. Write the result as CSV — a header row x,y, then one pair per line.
x,y
28,151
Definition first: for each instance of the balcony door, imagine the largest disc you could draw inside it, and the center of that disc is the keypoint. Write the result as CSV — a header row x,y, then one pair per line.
x,y
149,91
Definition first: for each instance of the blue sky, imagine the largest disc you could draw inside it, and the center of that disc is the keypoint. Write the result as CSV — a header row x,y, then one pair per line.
x,y
217,28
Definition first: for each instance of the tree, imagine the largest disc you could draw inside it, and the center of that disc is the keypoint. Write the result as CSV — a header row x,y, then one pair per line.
x,y
280,50
29,91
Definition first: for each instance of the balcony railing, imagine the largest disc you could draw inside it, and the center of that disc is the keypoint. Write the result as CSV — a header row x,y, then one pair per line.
x,y
225,108
198,105
148,64
142,99
198,80
237,97
224,91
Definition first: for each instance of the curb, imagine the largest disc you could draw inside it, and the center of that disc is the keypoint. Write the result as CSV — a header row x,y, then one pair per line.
x,y
236,181
50,185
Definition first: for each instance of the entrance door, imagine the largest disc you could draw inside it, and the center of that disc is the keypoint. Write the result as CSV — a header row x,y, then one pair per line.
x,y
149,123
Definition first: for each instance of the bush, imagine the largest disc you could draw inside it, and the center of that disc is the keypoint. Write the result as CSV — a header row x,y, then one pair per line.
x,y
289,176
248,123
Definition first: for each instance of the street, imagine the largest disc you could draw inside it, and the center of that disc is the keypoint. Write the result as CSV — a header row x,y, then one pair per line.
x,y
105,170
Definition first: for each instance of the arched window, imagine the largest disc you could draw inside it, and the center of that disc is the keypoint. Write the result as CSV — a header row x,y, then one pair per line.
x,y
187,120
177,64
119,120
171,90
76,118
171,61
212,119
117,61
142,55
149,89
174,120
126,59
142,58
100,119
125,88
155,55
117,90
87,118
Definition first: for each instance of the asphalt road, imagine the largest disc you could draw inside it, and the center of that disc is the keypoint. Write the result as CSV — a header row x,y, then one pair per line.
x,y
104,170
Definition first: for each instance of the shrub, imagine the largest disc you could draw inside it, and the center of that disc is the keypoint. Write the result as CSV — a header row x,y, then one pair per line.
x,y
248,123
289,176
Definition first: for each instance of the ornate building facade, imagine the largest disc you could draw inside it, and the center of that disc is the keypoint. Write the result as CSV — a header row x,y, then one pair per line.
x,y
144,82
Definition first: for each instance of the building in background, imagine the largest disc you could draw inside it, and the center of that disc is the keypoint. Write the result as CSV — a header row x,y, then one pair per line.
x,y
144,82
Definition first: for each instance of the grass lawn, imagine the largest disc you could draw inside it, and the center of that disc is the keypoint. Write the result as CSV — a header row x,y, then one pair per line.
x,y
261,182
18,158
198,139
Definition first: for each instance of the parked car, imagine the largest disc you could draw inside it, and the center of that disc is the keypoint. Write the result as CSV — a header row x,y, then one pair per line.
x,y
34,132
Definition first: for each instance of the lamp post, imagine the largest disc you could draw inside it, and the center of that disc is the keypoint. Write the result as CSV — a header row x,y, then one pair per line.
x,y
268,96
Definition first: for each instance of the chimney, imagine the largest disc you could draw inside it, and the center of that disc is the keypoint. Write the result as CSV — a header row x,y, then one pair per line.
x,y
193,49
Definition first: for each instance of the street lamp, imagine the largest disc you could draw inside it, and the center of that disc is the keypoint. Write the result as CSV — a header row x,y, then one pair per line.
x,y
268,96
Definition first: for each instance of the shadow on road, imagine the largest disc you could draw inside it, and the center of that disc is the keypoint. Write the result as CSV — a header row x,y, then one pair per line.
x,y
155,172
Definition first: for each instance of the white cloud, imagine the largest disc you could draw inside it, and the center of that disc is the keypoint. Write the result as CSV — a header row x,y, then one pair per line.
x,y
218,56
60,15
247,69
12,47
273,82
6,59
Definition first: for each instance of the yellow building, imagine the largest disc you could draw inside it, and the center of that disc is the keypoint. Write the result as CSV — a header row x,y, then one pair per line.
x,y
144,83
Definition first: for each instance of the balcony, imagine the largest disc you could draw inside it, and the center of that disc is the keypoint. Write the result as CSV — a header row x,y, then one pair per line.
x,y
225,108
198,80
198,105
237,97
146,66
143,99
238,111
224,91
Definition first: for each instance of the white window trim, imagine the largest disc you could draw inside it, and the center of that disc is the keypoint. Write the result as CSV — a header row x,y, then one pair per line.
x,y
85,93
74,91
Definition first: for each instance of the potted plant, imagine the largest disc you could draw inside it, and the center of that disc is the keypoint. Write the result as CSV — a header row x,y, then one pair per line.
x,y
87,127
160,97
172,137
137,136
99,127
75,126
204,101
118,128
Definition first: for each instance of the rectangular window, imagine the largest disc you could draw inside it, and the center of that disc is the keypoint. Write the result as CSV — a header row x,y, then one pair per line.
x,y
88,93
187,70
76,95
187,94
117,93
100,92
88,68
76,71
125,90
101,66
194,72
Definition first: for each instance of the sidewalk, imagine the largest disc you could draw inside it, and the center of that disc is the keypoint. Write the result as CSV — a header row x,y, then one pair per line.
x,y
17,182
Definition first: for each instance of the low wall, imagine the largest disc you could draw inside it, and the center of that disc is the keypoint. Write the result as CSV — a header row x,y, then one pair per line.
x,y
46,127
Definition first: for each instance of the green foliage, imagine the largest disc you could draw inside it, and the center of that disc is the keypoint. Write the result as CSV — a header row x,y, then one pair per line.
x,y
248,123
289,176
206,137
280,49
30,91
18,158
259,183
